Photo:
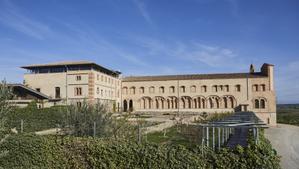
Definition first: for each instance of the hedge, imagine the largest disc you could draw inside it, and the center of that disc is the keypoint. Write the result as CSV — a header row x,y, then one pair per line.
x,y
31,151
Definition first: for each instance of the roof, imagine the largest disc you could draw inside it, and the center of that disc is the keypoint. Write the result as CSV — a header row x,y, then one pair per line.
x,y
71,63
193,77
38,94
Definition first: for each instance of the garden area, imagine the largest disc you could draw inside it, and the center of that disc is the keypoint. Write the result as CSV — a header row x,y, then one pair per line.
x,y
92,137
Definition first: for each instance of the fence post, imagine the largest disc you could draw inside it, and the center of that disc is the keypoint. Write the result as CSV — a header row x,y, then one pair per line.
x,y
219,138
139,134
213,138
94,129
22,125
207,137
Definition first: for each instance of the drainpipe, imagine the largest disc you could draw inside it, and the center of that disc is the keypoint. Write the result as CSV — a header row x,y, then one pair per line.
x,y
66,83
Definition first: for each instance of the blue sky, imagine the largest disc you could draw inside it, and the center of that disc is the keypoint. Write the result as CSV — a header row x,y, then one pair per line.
x,y
152,37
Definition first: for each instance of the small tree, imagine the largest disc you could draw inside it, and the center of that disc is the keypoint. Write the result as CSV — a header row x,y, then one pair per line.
x,y
83,120
5,107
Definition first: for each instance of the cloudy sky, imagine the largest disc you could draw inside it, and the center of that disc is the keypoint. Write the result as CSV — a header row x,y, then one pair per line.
x,y
152,37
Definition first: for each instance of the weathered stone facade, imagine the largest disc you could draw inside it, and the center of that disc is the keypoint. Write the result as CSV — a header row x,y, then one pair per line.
x,y
196,93
253,91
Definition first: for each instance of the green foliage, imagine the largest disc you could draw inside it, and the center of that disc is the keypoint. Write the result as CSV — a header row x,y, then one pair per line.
x,y
5,107
288,114
30,151
36,119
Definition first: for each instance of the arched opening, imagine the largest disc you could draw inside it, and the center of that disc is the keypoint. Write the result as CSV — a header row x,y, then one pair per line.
x,y
263,104
203,103
183,103
217,102
157,104
256,104
189,103
131,105
195,103
211,104
231,102
125,105
225,102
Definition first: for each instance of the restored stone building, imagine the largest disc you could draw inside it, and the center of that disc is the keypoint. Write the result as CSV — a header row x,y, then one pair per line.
x,y
252,91
73,82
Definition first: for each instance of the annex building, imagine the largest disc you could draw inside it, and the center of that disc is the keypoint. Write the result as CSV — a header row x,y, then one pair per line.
x,y
74,82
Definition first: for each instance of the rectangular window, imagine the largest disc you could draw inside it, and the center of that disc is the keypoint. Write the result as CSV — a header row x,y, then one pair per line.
x,y
78,78
57,92
78,91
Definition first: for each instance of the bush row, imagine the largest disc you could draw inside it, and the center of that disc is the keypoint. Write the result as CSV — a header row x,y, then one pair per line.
x,y
31,151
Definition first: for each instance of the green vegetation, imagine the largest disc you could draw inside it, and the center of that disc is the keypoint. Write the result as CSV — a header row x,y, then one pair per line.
x,y
288,114
176,135
31,151
35,119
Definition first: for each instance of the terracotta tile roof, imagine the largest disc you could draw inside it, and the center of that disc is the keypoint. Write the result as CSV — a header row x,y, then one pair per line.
x,y
193,76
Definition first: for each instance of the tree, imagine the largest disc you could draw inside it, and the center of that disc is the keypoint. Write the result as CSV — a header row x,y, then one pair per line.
x,y
5,108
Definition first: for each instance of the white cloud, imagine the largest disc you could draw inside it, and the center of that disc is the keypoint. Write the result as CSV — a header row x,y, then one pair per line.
x,y
140,4
12,17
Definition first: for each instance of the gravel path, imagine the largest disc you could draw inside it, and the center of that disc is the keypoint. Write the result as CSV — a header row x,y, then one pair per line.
x,y
285,139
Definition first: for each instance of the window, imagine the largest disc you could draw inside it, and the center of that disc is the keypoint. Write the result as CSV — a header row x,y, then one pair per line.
x,y
141,90
78,91
263,104
78,78
37,89
183,89
220,88
226,88
102,93
161,89
193,89
238,88
263,87
79,104
152,89
256,104
204,88
132,90
255,88
214,88
57,92
98,77
102,78
98,90
125,90
171,89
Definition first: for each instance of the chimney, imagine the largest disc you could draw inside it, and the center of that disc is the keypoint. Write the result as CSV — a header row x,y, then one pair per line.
x,y
251,68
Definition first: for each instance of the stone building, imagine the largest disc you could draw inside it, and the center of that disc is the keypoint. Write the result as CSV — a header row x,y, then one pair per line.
x,y
73,82
252,91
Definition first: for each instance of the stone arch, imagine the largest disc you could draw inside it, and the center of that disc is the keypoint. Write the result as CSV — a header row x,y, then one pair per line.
x,y
199,102
141,90
186,102
228,101
256,104
125,104
131,108
214,102
159,102
125,90
132,90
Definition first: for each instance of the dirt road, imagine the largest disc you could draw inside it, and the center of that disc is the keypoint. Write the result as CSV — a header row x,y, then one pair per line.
x,y
285,139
